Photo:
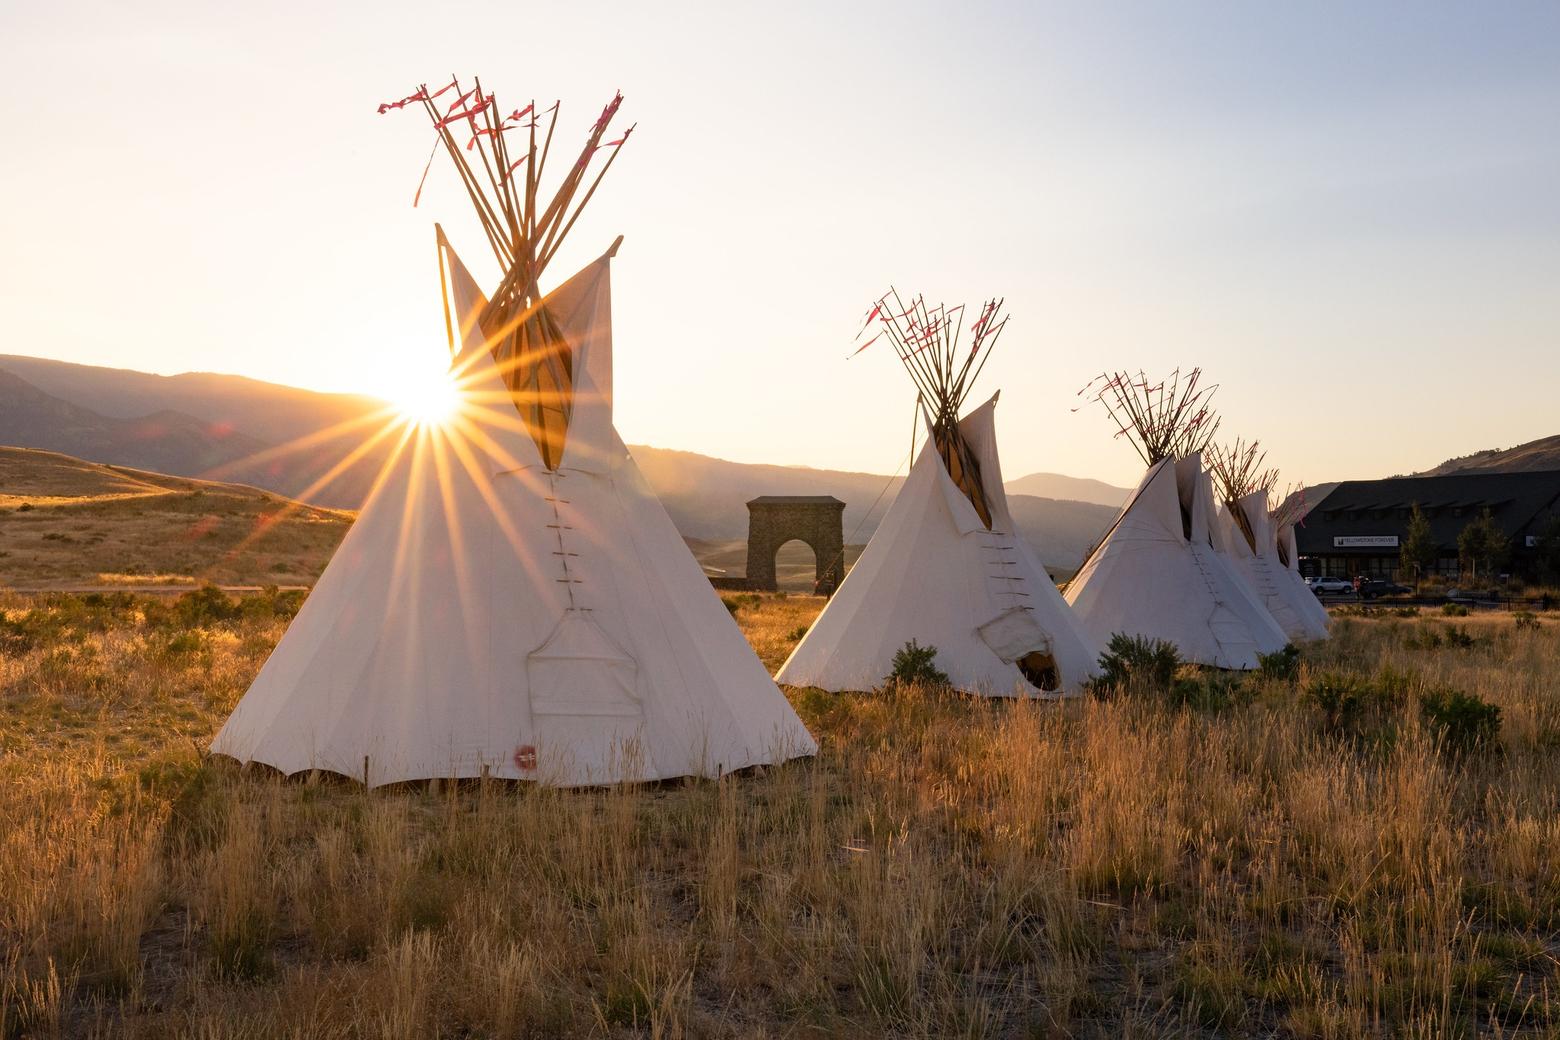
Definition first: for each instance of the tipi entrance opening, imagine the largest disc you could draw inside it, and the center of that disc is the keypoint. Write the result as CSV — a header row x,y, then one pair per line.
x,y
1040,671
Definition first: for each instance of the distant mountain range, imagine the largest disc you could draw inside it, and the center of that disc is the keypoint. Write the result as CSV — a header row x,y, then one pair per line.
x,y
218,427
1075,489
288,440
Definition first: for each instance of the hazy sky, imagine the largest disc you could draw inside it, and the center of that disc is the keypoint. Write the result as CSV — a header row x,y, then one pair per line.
x,y
1349,215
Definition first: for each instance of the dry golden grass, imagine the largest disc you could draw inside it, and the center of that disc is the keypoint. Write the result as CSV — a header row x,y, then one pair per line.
x,y
1122,866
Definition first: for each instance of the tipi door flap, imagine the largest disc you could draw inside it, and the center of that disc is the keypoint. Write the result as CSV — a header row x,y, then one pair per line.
x,y
580,671
960,510
1015,633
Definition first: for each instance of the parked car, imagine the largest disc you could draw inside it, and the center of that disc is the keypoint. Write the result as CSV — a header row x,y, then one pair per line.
x,y
1376,588
1331,586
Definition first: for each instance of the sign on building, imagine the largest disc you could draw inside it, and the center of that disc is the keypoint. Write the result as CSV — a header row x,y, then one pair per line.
x,y
1365,541
1532,541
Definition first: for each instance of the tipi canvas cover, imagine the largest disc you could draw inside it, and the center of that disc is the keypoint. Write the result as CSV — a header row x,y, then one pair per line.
x,y
934,573
1289,557
488,616
1255,556
1161,572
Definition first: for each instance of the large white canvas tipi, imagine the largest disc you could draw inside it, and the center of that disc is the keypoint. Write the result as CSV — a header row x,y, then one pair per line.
x,y
1161,573
935,573
1281,523
1253,547
1162,570
947,568
487,615
513,600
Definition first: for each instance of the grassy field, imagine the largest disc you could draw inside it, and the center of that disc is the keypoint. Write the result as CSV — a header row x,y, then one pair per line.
x,y
1306,855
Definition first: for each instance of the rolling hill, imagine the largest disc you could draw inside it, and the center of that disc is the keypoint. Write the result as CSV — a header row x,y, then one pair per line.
x,y
1542,454
1069,489
66,522
164,440
286,440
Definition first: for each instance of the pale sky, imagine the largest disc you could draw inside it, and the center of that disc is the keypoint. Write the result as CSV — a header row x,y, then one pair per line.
x,y
1333,208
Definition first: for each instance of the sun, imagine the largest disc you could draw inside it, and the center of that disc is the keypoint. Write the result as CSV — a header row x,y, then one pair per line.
x,y
424,395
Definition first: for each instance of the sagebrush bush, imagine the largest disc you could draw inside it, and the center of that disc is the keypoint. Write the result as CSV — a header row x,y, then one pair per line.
x,y
1137,662
915,664
207,605
1454,610
1460,638
1209,690
1281,664
740,601
1462,721
1357,706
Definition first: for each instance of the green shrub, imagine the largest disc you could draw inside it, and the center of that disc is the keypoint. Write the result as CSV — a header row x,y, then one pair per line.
x,y
737,602
914,663
207,605
271,603
1208,690
1342,699
1137,662
182,643
1459,639
1405,612
1355,707
1525,619
1281,664
25,507
1434,637
796,634
1454,610
1463,721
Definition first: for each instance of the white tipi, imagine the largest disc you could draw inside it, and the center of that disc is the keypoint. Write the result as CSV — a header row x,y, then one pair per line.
x,y
947,568
1253,547
488,615
1162,571
935,573
1281,523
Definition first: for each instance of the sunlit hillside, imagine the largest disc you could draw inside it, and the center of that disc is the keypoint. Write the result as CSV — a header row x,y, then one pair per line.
x,y
65,522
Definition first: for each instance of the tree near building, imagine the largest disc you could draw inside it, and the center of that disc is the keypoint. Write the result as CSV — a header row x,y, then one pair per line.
x,y
1482,544
1418,550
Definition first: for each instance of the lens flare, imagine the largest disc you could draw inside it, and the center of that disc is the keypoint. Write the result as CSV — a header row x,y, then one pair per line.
x,y
424,398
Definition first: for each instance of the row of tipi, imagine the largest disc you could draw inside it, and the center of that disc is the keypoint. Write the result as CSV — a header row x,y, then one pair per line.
x,y
1215,577
514,602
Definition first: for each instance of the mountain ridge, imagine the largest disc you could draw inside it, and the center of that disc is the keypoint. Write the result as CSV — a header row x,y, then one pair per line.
x,y
1531,456
288,440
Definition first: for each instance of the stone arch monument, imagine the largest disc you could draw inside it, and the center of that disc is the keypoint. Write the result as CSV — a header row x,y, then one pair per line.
x,y
817,520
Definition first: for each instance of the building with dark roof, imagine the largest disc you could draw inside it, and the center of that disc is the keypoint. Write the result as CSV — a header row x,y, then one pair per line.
x,y
1359,526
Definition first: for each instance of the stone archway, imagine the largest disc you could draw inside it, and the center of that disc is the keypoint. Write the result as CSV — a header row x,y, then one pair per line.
x,y
817,520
